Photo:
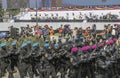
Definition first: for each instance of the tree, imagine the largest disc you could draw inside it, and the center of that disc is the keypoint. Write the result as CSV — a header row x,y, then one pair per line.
x,y
1,13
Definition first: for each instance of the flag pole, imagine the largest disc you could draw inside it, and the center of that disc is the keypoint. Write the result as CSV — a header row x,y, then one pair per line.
x,y
36,12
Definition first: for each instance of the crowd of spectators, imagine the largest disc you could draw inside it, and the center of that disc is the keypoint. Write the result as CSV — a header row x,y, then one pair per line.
x,y
47,32
36,30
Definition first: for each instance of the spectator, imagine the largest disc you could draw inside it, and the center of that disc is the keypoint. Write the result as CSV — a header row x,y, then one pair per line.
x,y
87,31
75,31
33,30
113,32
51,32
46,32
79,33
64,31
39,31
68,31
93,30
60,31
109,31
28,30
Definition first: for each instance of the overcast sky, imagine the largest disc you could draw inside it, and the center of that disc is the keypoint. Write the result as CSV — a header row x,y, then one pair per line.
x,y
90,2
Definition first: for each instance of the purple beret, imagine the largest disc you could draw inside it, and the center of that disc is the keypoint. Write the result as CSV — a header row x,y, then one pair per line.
x,y
87,47
74,49
111,41
84,48
108,43
94,46
100,44
114,39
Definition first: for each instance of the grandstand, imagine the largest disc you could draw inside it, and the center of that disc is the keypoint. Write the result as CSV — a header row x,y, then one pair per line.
x,y
68,15
57,10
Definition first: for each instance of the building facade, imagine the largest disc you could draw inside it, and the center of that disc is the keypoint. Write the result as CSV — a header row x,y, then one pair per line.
x,y
43,3
59,3
48,3
53,3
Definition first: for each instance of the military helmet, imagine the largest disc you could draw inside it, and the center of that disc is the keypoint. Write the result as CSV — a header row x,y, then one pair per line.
x,y
76,39
46,45
74,49
46,41
59,39
13,43
23,45
28,42
56,46
35,45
